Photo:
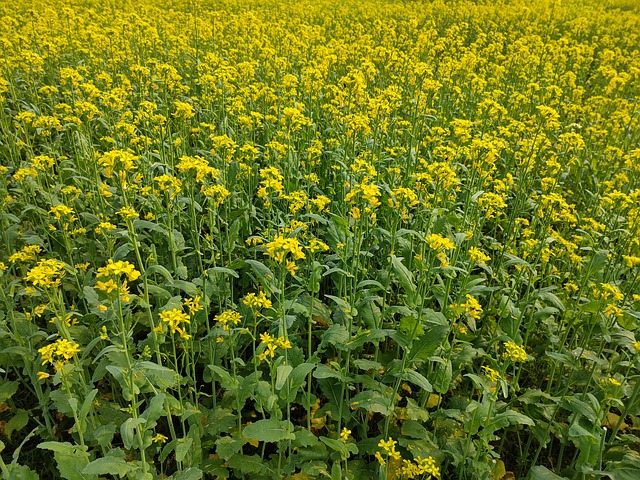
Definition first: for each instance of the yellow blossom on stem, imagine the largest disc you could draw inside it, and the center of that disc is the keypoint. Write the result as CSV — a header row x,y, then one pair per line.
x,y
514,352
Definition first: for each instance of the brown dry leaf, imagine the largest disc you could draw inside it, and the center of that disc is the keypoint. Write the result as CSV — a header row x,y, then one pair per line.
x,y
433,400
611,422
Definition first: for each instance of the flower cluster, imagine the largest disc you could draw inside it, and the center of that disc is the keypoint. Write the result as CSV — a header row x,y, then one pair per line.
x,y
256,300
174,319
271,344
514,352
227,318
57,354
281,246
47,273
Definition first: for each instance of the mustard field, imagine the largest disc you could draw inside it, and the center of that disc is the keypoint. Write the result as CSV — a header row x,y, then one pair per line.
x,y
320,239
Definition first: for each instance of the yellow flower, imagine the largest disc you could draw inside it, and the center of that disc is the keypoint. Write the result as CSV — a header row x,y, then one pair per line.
x,y
193,304
174,318
472,307
169,184
217,194
491,374
60,211
159,438
292,268
118,268
46,273
271,344
228,317
439,243
27,253
260,300
58,353
127,213
43,375
514,352
344,435
389,447
281,246
477,256
316,245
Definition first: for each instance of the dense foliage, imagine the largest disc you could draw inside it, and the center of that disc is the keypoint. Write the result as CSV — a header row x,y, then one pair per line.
x,y
319,239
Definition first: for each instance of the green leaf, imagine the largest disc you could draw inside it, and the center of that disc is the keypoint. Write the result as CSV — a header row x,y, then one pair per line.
x,y
441,377
182,448
226,271
543,473
417,379
146,225
436,329
109,466
153,269
264,275
404,276
158,375
7,389
411,327
282,374
187,287
127,431
154,411
335,335
21,472
226,447
367,365
86,405
368,336
269,430
70,459
336,445
225,379
103,435
414,429
373,401
90,295
626,469
191,473
247,464
17,422
343,305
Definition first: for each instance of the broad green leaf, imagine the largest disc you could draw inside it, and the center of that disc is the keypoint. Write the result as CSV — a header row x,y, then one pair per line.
x,y
282,374
436,329
222,270
338,446
372,401
226,447
404,276
127,431
109,466
417,379
225,379
7,389
626,469
543,473
335,335
17,422
182,448
269,430
70,459
21,472
191,473
247,464
154,411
